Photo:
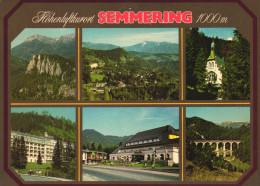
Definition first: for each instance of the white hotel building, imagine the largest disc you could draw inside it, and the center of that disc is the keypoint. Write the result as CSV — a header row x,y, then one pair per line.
x,y
142,146
35,144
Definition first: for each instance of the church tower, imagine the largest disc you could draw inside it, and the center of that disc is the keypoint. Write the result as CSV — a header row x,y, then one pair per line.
x,y
213,67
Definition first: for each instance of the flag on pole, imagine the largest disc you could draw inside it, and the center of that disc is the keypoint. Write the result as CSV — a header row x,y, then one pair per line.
x,y
171,136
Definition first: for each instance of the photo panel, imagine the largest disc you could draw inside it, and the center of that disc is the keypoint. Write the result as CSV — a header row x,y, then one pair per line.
x,y
218,143
43,143
217,64
43,64
130,144
121,64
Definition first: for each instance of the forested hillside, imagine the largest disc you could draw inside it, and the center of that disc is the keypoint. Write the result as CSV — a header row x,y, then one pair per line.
x,y
90,136
200,129
37,124
44,77
120,75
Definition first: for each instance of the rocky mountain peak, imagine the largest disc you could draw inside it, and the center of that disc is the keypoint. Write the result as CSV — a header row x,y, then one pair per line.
x,y
40,38
42,64
66,38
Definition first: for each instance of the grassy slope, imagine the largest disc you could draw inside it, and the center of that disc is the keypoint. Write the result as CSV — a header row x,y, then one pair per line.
x,y
203,174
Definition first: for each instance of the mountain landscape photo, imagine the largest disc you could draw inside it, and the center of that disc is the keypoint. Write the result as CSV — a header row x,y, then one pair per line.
x,y
216,151
146,70
43,68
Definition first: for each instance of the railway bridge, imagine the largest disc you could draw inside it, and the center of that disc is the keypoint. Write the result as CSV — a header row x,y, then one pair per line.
x,y
220,145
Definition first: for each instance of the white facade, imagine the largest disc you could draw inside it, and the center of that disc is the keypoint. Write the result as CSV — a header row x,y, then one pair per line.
x,y
213,67
35,144
214,74
162,153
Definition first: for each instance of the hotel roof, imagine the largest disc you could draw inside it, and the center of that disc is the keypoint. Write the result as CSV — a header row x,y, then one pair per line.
x,y
160,133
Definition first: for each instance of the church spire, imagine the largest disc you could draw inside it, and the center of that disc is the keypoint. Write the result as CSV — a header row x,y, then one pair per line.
x,y
213,45
212,53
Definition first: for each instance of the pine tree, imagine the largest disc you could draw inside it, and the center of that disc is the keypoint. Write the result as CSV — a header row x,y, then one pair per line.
x,y
57,155
93,146
100,148
69,152
200,69
192,50
236,72
87,146
39,159
14,153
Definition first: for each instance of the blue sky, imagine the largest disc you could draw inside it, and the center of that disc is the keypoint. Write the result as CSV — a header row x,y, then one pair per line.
x,y
66,112
220,114
122,121
129,36
223,33
48,32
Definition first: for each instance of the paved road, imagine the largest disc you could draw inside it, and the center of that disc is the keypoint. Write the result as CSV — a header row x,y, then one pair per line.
x,y
40,178
107,173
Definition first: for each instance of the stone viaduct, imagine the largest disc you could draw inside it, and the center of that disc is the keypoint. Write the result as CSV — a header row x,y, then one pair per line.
x,y
221,145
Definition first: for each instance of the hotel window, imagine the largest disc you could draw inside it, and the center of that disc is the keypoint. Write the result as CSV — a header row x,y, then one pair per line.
x,y
150,140
157,139
145,141
140,142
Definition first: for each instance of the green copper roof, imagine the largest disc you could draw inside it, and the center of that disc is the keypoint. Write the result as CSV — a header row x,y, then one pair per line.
x,y
212,55
219,61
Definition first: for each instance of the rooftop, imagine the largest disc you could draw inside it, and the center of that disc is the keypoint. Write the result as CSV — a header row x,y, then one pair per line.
x,y
152,137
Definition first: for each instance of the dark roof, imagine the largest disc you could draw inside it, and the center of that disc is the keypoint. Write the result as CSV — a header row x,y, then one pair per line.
x,y
160,133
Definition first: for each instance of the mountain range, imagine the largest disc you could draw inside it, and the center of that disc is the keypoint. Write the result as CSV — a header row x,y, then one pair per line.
x,y
38,44
90,135
232,124
198,128
146,46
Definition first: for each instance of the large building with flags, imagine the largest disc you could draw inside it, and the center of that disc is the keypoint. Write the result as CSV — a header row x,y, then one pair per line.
x,y
163,143
213,68
92,156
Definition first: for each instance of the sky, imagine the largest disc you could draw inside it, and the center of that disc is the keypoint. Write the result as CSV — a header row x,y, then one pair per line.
x,y
124,121
48,32
223,33
220,114
66,112
129,36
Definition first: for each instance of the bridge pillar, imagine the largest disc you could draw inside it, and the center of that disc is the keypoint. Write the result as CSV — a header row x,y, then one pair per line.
x,y
217,146
231,149
217,153
224,146
203,144
224,154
